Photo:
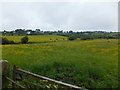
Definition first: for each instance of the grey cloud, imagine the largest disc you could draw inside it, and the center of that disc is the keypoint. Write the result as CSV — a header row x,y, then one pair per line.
x,y
64,15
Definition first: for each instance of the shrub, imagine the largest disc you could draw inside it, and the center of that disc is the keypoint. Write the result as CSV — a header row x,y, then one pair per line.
x,y
72,37
24,40
6,41
87,38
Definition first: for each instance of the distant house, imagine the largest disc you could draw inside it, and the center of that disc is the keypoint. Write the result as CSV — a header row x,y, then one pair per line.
x,y
28,32
38,31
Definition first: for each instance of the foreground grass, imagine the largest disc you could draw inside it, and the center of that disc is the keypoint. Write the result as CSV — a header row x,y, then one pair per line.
x,y
92,63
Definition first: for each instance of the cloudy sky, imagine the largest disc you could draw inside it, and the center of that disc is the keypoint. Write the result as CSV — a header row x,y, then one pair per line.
x,y
74,16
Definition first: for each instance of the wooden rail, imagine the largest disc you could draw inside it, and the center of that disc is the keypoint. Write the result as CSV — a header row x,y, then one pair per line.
x,y
14,82
20,75
27,80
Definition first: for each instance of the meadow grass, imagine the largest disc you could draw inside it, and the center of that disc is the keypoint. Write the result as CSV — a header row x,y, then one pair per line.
x,y
37,38
90,63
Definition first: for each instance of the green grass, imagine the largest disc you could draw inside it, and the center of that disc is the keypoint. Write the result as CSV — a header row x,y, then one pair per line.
x,y
37,38
92,63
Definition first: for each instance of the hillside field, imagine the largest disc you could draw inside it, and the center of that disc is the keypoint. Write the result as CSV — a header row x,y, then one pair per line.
x,y
85,63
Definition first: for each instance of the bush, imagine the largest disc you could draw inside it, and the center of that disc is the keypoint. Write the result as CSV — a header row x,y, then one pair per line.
x,y
24,40
72,37
87,38
6,41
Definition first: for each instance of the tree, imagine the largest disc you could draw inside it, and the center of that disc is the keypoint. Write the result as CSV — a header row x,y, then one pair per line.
x,y
24,40
72,37
70,31
20,32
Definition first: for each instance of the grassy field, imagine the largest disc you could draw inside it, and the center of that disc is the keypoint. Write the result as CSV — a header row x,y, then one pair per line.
x,y
90,63
38,38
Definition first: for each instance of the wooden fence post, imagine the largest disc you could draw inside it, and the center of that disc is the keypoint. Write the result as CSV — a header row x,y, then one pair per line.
x,y
5,69
14,76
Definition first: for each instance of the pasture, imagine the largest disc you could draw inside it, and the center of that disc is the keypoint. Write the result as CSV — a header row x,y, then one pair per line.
x,y
37,38
88,63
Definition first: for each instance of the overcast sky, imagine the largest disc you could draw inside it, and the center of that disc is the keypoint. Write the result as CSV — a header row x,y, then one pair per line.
x,y
74,16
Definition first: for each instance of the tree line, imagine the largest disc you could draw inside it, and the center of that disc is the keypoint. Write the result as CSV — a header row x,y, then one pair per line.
x,y
86,35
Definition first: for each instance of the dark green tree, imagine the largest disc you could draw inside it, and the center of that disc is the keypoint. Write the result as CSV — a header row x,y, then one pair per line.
x,y
24,40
